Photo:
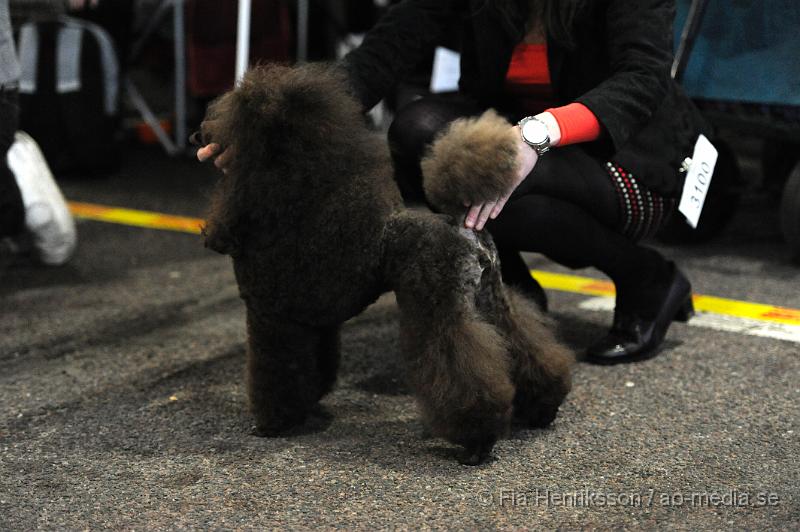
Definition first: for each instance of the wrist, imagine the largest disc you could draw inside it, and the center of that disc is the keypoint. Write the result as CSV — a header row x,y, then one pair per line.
x,y
553,129
527,154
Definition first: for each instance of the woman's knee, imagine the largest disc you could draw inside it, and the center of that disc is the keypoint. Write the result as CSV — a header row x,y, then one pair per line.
x,y
543,224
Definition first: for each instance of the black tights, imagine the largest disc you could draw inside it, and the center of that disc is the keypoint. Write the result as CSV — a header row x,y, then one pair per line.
x,y
12,212
567,208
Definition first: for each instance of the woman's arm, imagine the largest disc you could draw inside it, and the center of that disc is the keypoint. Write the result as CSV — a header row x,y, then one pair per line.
x,y
639,40
396,44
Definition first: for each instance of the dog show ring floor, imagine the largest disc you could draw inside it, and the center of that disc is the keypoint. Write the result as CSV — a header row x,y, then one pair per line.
x,y
122,400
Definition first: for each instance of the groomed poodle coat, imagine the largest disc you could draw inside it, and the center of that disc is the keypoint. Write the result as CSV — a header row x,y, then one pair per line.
x,y
314,221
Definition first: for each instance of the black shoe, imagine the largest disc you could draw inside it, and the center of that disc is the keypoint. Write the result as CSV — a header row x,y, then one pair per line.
x,y
633,337
517,275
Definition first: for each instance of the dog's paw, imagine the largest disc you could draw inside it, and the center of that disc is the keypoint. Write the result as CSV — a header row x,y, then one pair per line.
x,y
273,428
477,452
534,414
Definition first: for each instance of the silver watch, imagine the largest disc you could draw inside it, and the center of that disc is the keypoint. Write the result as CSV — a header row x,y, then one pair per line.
x,y
534,133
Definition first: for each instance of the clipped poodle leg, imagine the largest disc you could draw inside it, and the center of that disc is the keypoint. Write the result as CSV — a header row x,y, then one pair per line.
x,y
540,363
458,367
289,368
458,363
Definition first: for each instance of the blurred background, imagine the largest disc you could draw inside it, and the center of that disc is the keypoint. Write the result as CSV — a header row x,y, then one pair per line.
x,y
150,67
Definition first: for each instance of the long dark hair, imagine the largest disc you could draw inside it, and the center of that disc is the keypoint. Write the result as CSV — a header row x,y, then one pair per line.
x,y
556,17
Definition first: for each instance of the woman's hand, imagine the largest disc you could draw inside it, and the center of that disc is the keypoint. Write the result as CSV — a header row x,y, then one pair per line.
x,y
478,215
221,160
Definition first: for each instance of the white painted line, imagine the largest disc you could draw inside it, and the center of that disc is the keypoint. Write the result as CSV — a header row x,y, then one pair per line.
x,y
718,322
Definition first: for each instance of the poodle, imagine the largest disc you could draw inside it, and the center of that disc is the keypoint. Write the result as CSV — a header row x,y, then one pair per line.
x,y
310,213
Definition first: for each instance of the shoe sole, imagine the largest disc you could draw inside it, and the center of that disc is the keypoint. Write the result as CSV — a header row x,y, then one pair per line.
x,y
56,238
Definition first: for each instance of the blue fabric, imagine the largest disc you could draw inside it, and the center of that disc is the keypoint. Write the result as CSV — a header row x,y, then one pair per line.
x,y
747,51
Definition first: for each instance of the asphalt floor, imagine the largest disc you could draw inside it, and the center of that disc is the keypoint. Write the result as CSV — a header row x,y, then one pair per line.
x,y
122,401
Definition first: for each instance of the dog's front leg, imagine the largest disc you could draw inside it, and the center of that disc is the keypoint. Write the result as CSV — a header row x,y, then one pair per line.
x,y
289,368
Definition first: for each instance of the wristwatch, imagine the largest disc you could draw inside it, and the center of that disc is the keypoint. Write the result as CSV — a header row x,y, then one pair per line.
x,y
534,133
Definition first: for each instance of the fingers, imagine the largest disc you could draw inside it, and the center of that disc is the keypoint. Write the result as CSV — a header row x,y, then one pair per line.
x,y
221,160
472,216
483,217
207,151
224,159
478,215
498,208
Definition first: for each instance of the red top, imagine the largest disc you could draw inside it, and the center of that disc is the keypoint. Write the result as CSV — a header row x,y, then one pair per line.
x,y
528,79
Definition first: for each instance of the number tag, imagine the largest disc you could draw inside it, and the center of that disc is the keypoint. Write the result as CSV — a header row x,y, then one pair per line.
x,y
698,179
446,71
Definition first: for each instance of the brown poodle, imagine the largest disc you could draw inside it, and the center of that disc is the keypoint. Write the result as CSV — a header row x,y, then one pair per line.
x,y
311,215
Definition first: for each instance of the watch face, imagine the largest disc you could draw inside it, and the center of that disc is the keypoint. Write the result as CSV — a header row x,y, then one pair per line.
x,y
535,132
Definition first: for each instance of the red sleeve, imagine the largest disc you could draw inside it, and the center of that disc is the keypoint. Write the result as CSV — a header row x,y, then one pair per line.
x,y
577,123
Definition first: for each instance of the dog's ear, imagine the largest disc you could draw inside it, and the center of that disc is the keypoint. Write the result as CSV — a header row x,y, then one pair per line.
x,y
222,228
216,123
220,239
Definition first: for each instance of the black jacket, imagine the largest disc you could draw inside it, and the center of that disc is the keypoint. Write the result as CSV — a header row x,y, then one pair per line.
x,y
619,67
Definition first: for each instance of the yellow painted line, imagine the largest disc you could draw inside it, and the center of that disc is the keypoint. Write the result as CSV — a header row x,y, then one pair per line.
x,y
573,283
715,305
550,280
148,219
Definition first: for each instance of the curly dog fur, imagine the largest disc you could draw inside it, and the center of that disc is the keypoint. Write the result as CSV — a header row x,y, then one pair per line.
x,y
311,215
474,160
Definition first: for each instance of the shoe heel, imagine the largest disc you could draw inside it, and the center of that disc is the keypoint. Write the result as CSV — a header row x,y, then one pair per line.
x,y
685,312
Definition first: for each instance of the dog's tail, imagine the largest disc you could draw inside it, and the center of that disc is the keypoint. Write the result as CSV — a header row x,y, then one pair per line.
x,y
473,161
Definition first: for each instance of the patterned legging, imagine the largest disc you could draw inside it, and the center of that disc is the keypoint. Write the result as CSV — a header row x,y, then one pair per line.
x,y
642,212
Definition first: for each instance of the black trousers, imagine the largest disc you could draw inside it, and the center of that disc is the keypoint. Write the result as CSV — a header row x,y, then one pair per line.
x,y
567,209
12,211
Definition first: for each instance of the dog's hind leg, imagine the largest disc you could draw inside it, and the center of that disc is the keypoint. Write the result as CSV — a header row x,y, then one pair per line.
x,y
289,368
457,362
542,368
540,363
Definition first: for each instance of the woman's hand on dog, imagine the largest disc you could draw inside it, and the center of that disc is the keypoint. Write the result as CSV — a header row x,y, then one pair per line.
x,y
221,160
479,214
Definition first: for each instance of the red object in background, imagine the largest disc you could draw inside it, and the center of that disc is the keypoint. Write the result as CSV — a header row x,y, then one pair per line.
x,y
211,35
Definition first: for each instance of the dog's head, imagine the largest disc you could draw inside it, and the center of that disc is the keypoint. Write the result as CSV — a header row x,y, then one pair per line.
x,y
275,109
280,124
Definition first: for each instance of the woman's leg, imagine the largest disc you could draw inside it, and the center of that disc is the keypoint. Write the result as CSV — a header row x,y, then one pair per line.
x,y
572,236
569,210
414,128
571,195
